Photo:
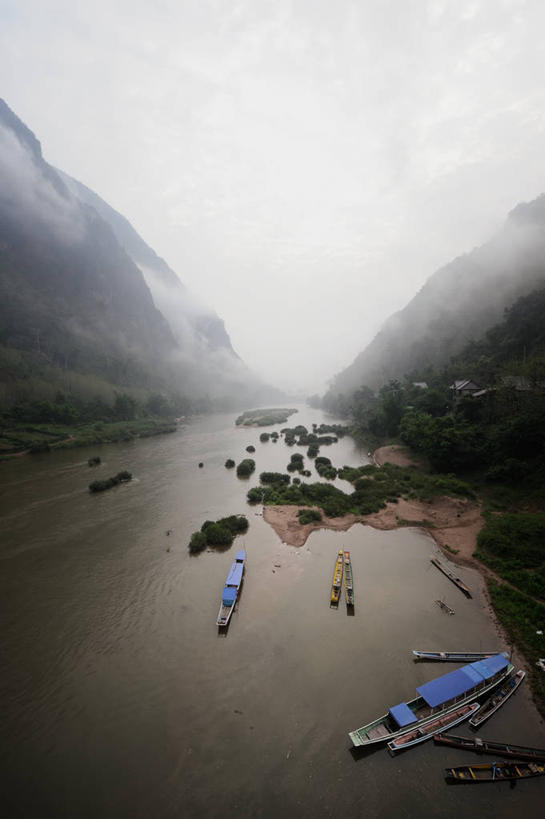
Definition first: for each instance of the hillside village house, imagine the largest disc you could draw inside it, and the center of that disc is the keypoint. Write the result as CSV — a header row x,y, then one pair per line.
x,y
460,389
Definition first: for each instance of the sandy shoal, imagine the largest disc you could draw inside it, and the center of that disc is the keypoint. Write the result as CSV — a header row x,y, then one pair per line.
x,y
451,522
395,454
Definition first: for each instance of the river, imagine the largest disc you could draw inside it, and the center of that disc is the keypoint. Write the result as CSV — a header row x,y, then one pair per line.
x,y
120,698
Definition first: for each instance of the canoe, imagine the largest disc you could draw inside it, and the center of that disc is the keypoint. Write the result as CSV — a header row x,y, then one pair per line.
x,y
432,728
451,576
337,578
454,656
494,772
348,580
436,698
444,606
487,746
231,589
499,697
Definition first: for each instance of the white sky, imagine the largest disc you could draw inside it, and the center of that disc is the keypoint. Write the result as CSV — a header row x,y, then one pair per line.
x,y
303,165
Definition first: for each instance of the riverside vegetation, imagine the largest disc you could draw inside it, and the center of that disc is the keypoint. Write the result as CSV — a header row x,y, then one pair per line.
x,y
264,417
220,532
108,483
495,443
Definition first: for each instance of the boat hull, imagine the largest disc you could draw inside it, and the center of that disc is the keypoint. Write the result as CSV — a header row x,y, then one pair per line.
x,y
498,699
418,735
484,746
454,656
494,772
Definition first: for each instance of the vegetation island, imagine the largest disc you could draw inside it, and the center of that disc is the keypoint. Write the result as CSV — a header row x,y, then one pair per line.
x,y
220,532
264,417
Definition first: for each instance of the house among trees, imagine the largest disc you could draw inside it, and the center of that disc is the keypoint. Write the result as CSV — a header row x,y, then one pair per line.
x,y
421,384
461,389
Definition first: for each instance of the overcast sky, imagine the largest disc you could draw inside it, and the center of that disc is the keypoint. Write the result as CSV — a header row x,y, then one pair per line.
x,y
303,165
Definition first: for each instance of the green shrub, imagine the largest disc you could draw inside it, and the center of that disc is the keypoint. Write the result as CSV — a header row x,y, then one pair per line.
x,y
197,542
245,468
250,448
229,463
94,461
309,516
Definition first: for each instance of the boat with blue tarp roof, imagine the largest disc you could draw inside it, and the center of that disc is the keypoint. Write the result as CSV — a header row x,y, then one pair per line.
x,y
437,697
231,588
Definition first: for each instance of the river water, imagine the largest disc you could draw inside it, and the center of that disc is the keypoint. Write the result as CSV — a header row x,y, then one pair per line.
x,y
120,698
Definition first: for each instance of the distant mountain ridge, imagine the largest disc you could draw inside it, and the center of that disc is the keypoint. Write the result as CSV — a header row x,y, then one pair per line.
x,y
458,303
85,299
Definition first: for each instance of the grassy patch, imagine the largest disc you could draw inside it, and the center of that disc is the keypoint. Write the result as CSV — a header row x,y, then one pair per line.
x,y
512,544
522,618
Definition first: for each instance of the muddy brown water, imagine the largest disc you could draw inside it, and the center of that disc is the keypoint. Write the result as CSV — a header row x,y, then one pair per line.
x,y
121,699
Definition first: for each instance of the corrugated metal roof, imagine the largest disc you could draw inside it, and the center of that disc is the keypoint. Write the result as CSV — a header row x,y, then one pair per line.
x,y
235,575
458,682
402,714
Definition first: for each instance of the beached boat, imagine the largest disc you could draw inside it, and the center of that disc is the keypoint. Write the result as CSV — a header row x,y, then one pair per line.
x,y
337,578
451,576
454,656
231,588
498,698
432,728
487,746
444,606
436,698
348,580
494,772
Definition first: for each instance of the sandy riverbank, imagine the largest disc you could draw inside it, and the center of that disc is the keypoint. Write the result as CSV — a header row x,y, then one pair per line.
x,y
451,522
395,454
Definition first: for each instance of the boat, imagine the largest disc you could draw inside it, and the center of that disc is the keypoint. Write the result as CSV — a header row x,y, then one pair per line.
x,y
231,588
498,698
444,606
348,580
454,656
451,576
487,746
494,772
436,698
432,728
337,578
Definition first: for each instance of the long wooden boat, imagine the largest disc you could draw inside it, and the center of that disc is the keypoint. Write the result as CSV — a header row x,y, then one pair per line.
x,y
348,580
451,576
494,772
427,731
487,746
498,698
454,656
436,698
231,588
337,578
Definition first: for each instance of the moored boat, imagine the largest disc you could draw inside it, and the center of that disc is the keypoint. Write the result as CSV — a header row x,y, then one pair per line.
x,y
498,698
348,580
337,578
494,772
435,698
231,588
454,656
487,746
445,607
451,576
432,728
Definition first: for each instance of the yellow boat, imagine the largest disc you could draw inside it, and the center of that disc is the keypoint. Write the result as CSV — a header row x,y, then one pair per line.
x,y
337,578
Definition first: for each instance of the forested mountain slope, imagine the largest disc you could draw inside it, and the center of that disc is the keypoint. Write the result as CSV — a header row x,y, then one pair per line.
x,y
457,304
85,305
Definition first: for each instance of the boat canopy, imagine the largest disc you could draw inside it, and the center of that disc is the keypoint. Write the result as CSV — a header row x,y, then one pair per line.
x,y
402,714
455,683
235,575
229,596
240,555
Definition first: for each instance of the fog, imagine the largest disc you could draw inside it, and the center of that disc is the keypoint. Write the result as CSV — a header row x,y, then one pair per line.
x,y
303,166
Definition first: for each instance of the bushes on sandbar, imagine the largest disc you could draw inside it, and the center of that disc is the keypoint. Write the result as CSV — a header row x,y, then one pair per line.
x,y
245,468
250,448
309,516
100,486
229,463
94,461
220,532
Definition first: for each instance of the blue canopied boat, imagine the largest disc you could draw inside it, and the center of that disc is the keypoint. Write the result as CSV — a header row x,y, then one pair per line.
x,y
231,588
437,697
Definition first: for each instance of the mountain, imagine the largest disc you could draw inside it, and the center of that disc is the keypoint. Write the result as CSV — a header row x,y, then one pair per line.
x,y
458,303
85,304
